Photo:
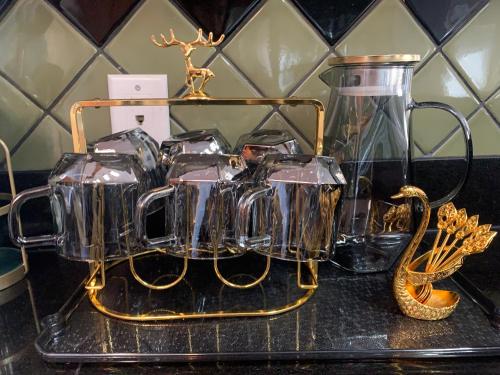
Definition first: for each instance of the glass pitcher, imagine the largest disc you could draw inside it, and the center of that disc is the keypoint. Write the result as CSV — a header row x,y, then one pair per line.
x,y
368,131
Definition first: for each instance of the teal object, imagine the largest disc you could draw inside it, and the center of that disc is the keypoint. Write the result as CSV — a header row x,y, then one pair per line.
x,y
10,260
12,268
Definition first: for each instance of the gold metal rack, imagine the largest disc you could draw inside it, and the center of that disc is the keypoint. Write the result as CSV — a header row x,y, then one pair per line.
x,y
15,275
196,96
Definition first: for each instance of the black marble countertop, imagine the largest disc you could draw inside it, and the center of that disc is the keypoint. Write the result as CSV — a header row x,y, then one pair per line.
x,y
52,280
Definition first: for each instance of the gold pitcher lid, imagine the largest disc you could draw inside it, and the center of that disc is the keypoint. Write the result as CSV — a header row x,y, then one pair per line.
x,y
374,59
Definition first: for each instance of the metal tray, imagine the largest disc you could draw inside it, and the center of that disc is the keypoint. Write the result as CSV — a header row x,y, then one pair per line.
x,y
349,317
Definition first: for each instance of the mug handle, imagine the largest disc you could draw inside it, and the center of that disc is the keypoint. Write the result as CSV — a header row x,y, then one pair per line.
x,y
243,217
14,214
142,206
464,125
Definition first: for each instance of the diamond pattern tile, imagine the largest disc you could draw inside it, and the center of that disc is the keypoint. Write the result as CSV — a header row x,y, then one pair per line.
x,y
474,50
45,52
443,20
304,118
388,29
133,50
96,19
217,16
437,81
232,121
333,18
485,137
92,84
493,105
276,48
43,148
276,121
17,114
175,128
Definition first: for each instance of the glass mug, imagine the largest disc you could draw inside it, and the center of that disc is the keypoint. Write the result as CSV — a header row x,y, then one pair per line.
x,y
201,200
92,197
206,141
254,146
297,216
368,131
133,142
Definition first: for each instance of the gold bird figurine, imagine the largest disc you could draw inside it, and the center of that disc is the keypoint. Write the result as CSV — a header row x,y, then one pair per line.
x,y
414,277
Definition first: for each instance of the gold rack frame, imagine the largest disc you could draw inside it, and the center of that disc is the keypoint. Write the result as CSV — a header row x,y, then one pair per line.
x,y
17,274
97,274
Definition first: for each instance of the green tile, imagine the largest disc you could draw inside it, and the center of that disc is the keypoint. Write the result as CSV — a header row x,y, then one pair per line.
x,y
92,84
276,48
17,114
417,154
43,148
175,128
276,121
493,105
44,51
485,138
232,121
388,29
304,118
474,50
437,81
133,49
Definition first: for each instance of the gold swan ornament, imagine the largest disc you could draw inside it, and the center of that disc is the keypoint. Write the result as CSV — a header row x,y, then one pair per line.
x,y
413,279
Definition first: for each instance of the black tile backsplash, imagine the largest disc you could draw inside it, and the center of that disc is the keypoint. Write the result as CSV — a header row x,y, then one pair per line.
x,y
333,17
4,4
217,16
97,19
442,18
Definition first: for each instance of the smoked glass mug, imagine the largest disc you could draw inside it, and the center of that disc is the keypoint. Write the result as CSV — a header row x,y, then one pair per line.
x,y
205,141
254,146
296,217
133,142
92,197
200,206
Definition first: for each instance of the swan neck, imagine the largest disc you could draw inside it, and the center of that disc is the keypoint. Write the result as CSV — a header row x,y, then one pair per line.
x,y
419,234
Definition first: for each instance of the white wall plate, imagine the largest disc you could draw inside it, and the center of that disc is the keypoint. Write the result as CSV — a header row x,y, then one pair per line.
x,y
154,120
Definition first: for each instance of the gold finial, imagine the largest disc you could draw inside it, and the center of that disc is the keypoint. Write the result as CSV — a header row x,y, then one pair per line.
x,y
192,72
414,277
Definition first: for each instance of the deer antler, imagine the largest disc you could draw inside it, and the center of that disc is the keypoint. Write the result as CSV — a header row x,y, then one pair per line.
x,y
165,43
209,42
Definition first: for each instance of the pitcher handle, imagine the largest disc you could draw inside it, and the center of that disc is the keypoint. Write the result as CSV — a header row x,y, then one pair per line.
x,y
464,125
14,214
243,217
142,206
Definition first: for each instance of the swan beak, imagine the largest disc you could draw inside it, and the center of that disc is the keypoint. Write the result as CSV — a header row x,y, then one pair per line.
x,y
397,196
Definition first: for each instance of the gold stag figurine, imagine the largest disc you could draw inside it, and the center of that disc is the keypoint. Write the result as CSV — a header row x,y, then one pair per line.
x,y
414,277
192,72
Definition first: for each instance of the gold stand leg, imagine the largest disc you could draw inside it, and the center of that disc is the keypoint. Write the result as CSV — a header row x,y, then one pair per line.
x,y
312,265
158,287
97,278
242,286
